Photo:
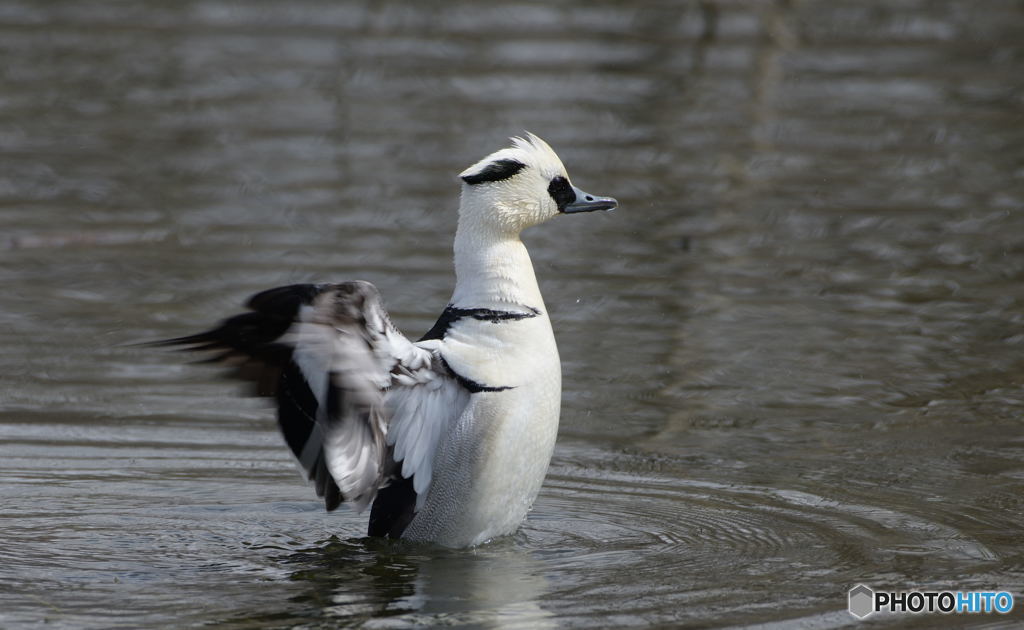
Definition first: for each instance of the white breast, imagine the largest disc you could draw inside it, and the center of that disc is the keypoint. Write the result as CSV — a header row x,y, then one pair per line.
x,y
489,469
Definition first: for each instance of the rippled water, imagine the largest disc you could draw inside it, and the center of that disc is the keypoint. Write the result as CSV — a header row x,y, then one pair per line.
x,y
792,359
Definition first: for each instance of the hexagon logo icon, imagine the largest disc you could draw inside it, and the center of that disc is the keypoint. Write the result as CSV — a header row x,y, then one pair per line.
x,y
861,600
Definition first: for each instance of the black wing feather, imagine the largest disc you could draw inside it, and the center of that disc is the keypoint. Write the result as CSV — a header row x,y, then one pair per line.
x,y
251,341
327,353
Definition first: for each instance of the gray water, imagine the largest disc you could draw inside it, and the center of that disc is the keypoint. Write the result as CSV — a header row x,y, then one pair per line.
x,y
793,358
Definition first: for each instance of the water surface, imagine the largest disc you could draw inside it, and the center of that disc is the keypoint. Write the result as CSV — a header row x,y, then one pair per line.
x,y
792,359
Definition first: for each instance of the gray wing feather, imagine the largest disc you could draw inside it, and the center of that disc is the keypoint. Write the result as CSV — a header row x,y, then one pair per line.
x,y
376,404
347,344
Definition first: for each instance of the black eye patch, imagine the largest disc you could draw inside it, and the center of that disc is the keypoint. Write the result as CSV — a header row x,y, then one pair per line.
x,y
561,191
495,172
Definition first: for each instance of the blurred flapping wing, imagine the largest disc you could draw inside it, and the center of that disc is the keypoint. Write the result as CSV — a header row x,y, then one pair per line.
x,y
344,378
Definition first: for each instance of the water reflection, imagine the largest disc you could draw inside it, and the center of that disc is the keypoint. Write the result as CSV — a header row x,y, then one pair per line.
x,y
791,358
407,585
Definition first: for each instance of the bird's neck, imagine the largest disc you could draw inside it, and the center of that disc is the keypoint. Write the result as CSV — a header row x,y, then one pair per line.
x,y
492,268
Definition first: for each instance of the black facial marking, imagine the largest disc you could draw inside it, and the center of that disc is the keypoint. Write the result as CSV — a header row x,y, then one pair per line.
x,y
561,191
495,172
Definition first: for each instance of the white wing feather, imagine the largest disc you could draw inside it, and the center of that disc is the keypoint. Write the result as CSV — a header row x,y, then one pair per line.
x,y
410,395
423,409
380,403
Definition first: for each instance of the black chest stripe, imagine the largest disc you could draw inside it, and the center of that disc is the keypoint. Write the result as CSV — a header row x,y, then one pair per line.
x,y
472,386
453,314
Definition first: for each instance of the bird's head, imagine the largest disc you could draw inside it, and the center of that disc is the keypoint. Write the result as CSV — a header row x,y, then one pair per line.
x,y
523,185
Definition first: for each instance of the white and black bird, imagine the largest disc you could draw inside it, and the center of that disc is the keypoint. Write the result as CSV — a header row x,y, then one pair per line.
x,y
448,437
